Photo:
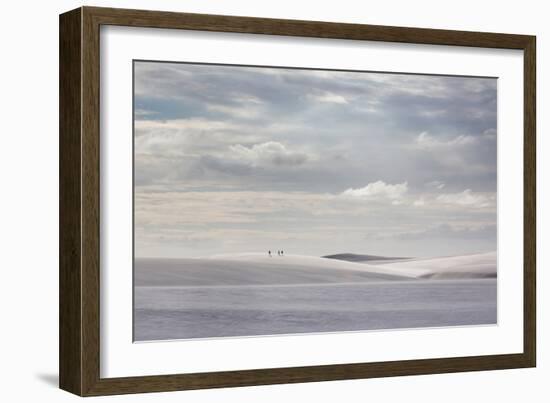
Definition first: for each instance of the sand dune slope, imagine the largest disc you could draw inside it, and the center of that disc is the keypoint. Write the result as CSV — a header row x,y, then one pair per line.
x,y
260,269
255,269
481,265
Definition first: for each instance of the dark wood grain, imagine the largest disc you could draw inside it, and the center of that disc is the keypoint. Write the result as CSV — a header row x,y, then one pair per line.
x,y
317,29
530,203
70,230
90,202
161,383
80,201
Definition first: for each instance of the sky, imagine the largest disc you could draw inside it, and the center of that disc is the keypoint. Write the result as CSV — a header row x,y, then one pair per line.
x,y
237,159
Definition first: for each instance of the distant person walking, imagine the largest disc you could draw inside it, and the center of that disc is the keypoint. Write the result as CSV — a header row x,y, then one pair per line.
x,y
269,253
278,253
281,252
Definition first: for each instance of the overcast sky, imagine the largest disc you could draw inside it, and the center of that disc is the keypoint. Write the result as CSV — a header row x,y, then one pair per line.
x,y
232,159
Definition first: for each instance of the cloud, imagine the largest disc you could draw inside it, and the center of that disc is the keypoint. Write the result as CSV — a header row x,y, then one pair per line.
x,y
143,113
435,184
467,198
182,124
329,97
378,190
197,222
241,111
269,153
427,142
228,150
490,134
448,231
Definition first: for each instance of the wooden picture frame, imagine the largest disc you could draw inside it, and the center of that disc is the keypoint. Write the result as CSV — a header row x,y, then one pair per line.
x,y
79,279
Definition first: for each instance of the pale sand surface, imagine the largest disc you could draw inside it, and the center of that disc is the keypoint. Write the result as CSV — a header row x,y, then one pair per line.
x,y
253,294
481,265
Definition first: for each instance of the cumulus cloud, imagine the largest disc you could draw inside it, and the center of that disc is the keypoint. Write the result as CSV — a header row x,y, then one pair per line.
x,y
269,153
378,190
467,198
428,142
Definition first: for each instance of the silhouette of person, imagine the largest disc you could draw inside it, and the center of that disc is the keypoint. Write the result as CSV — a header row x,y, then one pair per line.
x,y
281,253
278,253
269,253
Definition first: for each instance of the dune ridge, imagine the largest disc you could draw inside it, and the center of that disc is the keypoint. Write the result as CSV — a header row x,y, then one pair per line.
x,y
355,257
479,265
253,270
260,269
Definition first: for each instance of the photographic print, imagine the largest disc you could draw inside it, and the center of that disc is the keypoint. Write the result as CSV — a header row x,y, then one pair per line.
x,y
272,200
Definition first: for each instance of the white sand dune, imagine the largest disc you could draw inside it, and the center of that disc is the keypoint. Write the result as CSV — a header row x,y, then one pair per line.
x,y
314,262
481,265
260,269
255,269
